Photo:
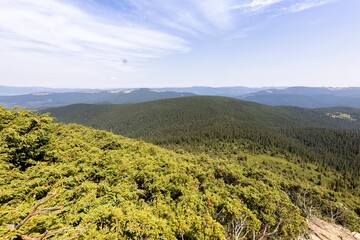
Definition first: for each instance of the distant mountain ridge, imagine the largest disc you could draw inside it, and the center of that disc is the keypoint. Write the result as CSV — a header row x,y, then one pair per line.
x,y
11,90
43,99
217,91
310,91
198,90
307,97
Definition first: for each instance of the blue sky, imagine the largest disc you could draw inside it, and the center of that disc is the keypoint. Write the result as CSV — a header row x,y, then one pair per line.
x,y
162,43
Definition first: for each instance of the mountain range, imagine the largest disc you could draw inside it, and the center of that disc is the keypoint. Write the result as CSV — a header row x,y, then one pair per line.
x,y
11,90
308,97
45,99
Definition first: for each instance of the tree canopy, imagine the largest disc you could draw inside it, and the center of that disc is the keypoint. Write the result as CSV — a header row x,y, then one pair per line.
x,y
69,181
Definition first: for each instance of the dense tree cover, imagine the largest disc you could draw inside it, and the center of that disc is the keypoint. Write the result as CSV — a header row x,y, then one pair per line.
x,y
216,125
68,181
92,184
339,149
64,181
201,108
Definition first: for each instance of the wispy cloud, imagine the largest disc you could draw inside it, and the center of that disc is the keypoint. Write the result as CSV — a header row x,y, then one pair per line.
x,y
189,16
58,28
301,6
243,33
81,34
291,6
255,5
152,28
216,12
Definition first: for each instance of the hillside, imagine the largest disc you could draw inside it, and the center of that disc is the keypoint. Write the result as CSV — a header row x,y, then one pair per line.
x,y
217,125
68,181
200,107
45,99
91,184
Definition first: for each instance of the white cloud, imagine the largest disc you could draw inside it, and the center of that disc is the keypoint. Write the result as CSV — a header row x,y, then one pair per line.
x,y
58,41
56,28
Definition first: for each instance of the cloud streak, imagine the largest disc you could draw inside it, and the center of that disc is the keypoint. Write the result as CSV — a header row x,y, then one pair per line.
x,y
88,36
188,16
290,6
58,28
148,32
298,7
255,5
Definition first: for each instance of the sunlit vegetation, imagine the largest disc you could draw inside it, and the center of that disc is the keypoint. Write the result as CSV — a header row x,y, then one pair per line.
x,y
341,116
62,181
78,182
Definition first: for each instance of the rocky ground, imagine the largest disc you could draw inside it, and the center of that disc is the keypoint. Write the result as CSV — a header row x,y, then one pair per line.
x,y
321,230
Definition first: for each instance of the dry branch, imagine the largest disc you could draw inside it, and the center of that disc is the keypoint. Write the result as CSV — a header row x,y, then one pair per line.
x,y
34,211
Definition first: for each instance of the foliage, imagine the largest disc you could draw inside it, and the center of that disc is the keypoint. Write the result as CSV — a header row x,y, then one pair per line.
x,y
25,136
111,187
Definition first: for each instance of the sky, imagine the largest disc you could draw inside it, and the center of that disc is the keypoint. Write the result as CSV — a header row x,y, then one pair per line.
x,y
179,43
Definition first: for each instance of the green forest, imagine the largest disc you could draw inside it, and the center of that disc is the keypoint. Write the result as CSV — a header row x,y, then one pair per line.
x,y
67,181
225,127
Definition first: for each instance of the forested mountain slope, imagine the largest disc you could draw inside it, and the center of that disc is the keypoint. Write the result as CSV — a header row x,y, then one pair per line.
x,y
202,108
217,125
68,181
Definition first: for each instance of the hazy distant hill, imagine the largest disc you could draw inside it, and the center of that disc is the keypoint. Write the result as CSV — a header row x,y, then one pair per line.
x,y
307,97
42,100
217,91
214,91
10,90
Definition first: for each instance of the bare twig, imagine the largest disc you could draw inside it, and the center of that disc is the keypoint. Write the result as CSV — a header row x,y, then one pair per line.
x,y
265,234
51,233
336,213
33,212
48,234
